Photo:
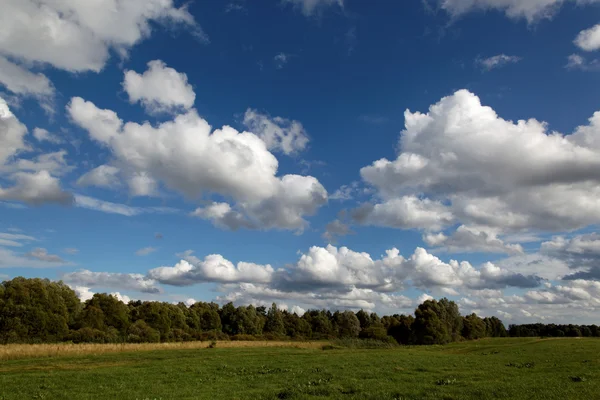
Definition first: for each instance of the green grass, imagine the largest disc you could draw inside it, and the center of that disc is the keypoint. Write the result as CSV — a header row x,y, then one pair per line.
x,y
486,369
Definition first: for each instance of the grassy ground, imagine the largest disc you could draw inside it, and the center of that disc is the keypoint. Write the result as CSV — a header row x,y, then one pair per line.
x,y
487,369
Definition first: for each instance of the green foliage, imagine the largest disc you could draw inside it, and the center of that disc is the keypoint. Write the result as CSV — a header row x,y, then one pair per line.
x,y
473,327
140,332
347,324
39,310
274,321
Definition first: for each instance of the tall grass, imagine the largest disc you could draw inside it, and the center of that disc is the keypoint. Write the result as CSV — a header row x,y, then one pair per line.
x,y
19,351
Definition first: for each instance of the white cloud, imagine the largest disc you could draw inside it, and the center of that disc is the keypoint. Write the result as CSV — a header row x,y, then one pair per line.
x,y
589,39
581,253
222,216
498,61
576,61
470,166
281,59
82,33
12,133
214,268
278,133
42,135
104,176
54,163
531,10
113,280
14,239
36,189
145,251
115,208
84,293
121,297
71,250
185,156
311,7
20,81
405,212
142,184
367,299
471,240
159,89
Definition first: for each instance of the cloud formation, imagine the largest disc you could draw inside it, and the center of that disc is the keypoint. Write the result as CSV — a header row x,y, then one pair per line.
x,y
159,89
199,163
589,39
468,165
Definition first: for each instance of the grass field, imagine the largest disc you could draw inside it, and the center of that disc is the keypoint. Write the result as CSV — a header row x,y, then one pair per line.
x,y
486,369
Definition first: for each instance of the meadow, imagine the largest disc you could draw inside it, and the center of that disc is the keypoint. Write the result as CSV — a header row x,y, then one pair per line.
x,y
511,368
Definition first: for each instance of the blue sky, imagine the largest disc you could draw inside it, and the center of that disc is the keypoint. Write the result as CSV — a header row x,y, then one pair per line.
x,y
110,172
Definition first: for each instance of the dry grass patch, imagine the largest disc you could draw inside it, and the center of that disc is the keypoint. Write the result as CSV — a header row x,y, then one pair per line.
x,y
21,351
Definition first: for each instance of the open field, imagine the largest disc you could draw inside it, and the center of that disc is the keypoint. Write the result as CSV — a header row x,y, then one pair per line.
x,y
485,369
20,351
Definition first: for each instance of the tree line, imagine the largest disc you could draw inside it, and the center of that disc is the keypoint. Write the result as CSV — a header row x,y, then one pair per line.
x,y
43,311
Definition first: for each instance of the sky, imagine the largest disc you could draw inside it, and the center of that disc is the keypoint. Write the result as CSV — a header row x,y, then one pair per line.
x,y
338,154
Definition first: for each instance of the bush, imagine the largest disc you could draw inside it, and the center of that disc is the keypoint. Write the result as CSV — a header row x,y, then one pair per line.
x,y
90,335
141,332
179,335
375,333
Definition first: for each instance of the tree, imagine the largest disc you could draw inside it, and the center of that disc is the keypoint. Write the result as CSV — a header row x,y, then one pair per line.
x,y
401,329
473,327
274,321
347,324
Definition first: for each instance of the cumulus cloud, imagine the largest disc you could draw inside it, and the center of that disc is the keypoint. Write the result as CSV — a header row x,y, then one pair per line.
x,y
405,212
113,280
278,133
36,189
589,39
43,255
311,7
84,293
185,156
366,299
213,268
12,133
498,61
159,89
21,81
222,216
581,252
531,10
104,176
471,240
85,32
468,165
